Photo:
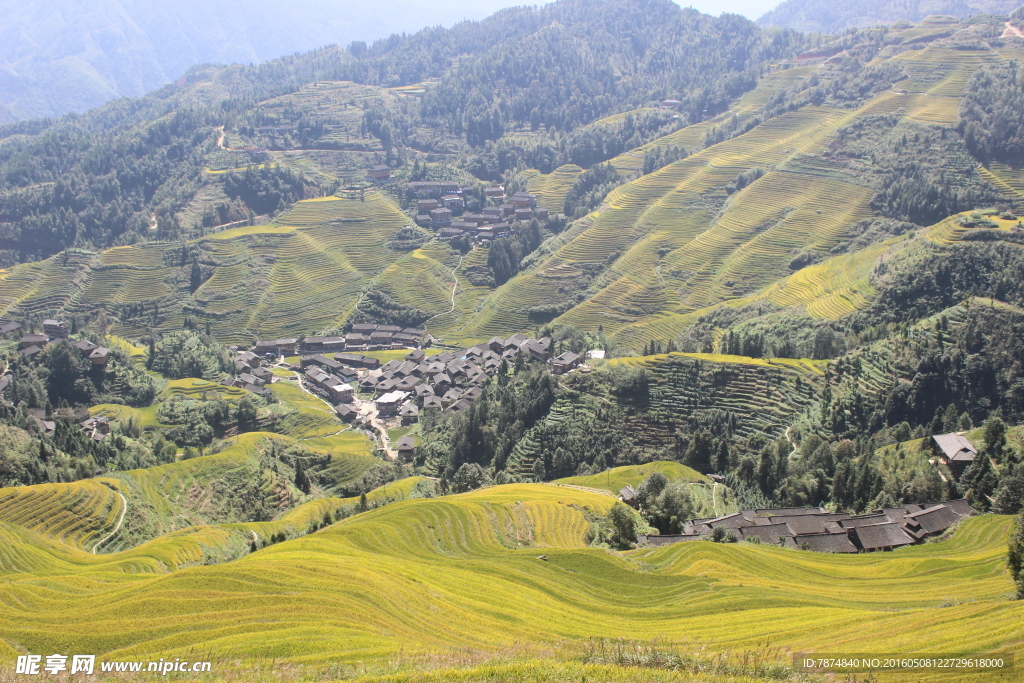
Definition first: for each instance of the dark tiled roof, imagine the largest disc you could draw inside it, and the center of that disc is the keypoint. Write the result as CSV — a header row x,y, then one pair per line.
x,y
825,543
877,536
769,533
933,520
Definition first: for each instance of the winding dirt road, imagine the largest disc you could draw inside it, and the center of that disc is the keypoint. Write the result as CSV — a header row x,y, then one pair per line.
x,y
117,528
455,288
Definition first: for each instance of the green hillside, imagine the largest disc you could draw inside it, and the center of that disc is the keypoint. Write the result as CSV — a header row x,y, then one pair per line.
x,y
433,559
673,243
780,199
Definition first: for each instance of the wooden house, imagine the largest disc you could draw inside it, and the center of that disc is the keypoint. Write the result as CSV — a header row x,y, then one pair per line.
x,y
441,218
564,363
954,451
55,328
379,173
406,447
523,200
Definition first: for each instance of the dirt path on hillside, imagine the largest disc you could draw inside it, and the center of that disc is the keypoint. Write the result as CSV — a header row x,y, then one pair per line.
x,y
220,139
117,528
455,287
377,425
795,449
385,440
1012,30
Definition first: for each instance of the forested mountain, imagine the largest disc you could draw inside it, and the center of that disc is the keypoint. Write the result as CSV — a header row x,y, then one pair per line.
x,y
60,56
826,16
126,172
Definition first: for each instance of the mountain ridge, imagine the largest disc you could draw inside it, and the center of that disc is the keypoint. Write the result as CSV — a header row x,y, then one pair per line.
x,y
827,16
70,56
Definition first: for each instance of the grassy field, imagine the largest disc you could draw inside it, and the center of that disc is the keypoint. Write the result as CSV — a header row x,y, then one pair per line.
x,y
423,577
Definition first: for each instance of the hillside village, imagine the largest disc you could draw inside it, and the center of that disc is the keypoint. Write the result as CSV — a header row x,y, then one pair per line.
x,y
819,530
440,206
363,390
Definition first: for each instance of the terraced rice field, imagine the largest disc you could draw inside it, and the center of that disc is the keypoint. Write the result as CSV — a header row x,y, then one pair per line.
x,y
422,279
297,276
833,288
1006,179
943,70
631,475
949,230
420,577
311,419
672,244
77,514
761,394
667,212
552,189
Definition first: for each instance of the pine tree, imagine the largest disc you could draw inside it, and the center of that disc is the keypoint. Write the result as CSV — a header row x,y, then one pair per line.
x,y
722,457
301,479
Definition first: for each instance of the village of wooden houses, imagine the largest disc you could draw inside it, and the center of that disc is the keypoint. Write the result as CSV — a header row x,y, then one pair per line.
x,y
440,206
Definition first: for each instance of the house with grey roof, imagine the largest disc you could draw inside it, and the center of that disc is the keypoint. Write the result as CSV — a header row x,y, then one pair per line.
x,y
954,451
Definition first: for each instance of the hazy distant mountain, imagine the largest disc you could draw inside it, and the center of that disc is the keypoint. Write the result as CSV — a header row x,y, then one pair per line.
x,y
835,16
58,56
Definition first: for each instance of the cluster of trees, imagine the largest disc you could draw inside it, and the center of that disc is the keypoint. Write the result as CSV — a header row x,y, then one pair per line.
x,y
29,455
660,157
559,71
267,190
97,180
928,172
991,116
197,422
61,377
974,365
590,189
666,505
584,146
616,530
377,306
187,353
506,253
487,432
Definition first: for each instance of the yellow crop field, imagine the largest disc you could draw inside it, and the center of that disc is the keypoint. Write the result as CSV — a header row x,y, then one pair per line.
x,y
552,189
833,288
78,514
631,475
420,577
949,229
